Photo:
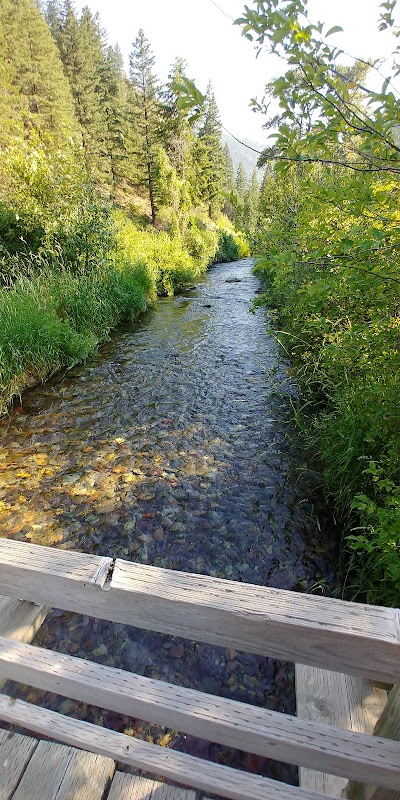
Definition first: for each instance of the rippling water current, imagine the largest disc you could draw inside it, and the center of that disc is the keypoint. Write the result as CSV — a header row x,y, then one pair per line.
x,y
170,447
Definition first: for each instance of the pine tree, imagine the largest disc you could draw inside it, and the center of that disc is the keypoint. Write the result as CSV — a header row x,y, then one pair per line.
x,y
10,101
32,74
242,182
250,205
209,157
230,184
53,12
178,136
81,46
114,106
145,102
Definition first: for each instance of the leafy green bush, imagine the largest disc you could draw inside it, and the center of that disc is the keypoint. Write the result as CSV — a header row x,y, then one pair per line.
x,y
376,544
48,204
201,242
168,264
340,325
231,247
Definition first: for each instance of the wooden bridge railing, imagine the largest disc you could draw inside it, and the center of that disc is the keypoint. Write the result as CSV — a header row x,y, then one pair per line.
x,y
346,637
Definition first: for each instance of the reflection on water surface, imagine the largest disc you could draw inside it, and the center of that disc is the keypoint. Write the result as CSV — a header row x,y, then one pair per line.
x,y
170,448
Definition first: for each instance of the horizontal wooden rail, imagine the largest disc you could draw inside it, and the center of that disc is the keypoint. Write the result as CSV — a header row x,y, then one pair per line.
x,y
347,637
228,722
179,767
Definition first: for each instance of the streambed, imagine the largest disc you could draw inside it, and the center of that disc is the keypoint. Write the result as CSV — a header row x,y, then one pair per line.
x,y
172,447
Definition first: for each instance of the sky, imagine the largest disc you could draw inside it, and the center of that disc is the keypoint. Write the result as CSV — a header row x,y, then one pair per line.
x,y
214,49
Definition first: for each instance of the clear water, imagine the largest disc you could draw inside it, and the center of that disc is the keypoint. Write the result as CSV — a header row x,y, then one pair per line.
x,y
171,447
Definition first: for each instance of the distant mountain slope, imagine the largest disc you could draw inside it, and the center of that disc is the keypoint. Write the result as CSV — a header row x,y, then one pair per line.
x,y
240,153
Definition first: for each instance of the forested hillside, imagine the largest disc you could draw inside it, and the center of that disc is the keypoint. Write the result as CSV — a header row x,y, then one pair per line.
x,y
328,238
111,187
246,153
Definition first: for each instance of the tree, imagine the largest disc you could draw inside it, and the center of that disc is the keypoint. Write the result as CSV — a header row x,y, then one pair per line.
x,y
229,170
80,43
32,75
178,137
344,116
209,157
145,103
113,101
242,182
250,204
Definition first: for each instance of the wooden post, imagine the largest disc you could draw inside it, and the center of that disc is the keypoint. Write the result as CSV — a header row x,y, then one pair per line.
x,y
388,726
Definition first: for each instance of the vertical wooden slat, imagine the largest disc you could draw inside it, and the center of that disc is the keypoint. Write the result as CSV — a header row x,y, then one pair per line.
x,y
387,726
340,700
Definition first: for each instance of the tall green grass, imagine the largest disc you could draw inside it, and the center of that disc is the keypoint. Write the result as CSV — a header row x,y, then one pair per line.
x,y
53,313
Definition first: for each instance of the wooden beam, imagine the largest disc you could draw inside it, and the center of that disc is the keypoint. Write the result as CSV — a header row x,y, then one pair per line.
x,y
346,637
245,727
180,767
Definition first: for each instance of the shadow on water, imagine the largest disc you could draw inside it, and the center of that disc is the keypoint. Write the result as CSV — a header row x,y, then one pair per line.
x,y
171,448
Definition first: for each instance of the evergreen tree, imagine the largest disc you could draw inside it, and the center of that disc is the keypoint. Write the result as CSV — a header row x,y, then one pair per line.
x,y
178,137
229,170
250,205
81,46
114,106
53,12
10,101
32,75
145,102
209,157
241,182
229,183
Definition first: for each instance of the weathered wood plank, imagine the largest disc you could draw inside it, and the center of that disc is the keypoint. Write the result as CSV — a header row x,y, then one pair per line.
x,y
44,773
133,787
76,568
340,700
239,725
20,620
15,752
348,637
86,777
388,725
57,772
175,766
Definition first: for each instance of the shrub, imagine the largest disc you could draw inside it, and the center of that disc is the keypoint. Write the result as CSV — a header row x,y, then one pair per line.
x,y
231,247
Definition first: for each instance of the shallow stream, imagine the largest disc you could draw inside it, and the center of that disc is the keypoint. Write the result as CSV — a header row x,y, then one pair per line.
x,y
172,447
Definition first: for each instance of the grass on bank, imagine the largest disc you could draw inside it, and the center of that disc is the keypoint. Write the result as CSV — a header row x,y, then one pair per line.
x,y
54,314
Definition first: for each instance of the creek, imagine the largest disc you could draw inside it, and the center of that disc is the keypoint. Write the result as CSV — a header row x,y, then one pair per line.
x,y
172,446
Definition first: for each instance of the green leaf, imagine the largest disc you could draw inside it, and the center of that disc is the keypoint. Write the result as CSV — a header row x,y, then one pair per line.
x,y
335,29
